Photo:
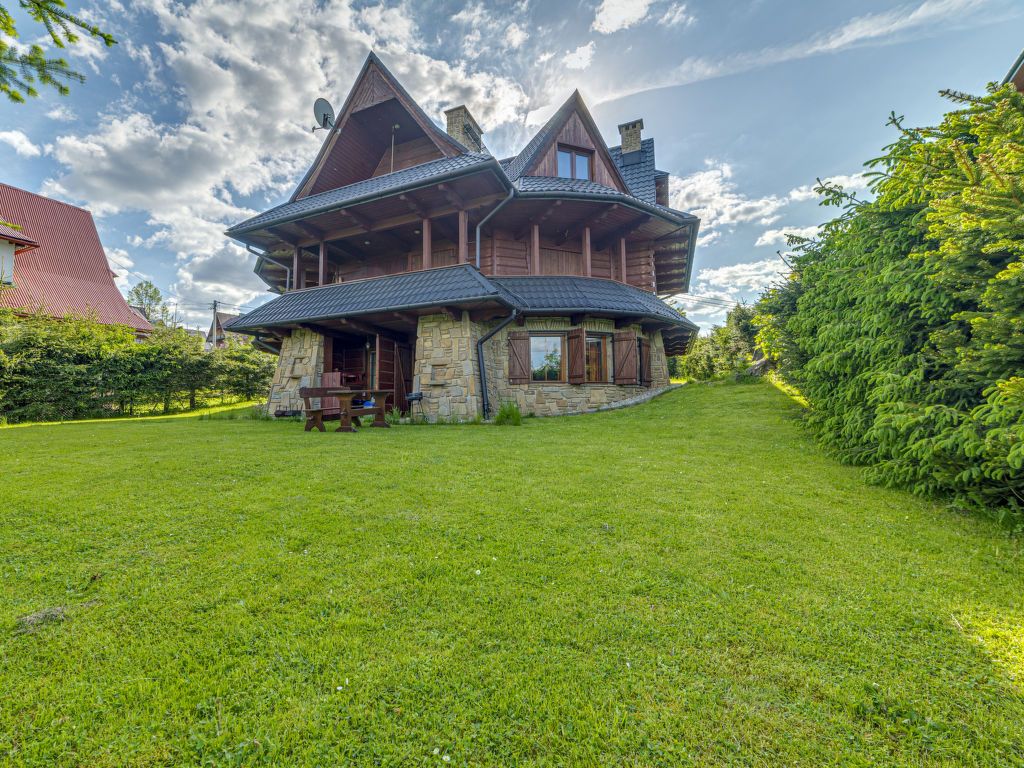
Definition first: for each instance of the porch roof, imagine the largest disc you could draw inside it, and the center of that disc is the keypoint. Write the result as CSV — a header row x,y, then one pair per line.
x,y
462,286
457,285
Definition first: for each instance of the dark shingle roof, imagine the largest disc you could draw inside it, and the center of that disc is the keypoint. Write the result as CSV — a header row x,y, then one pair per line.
x,y
544,185
587,294
388,183
410,290
461,284
640,175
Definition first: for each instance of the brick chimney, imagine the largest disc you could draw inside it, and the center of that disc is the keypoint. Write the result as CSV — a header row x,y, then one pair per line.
x,y
464,129
631,134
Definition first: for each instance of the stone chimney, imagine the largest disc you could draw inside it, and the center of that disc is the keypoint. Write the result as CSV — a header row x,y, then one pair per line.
x,y
631,134
464,129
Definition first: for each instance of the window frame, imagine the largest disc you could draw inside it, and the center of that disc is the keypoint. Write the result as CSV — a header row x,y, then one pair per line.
x,y
573,153
562,361
607,356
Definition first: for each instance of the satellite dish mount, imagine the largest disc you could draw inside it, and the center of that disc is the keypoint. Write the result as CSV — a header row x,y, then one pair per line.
x,y
323,112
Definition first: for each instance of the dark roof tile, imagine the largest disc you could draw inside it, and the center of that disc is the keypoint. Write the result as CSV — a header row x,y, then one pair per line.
x,y
640,175
353,193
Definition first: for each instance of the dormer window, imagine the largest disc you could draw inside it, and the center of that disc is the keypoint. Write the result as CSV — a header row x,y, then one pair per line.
x,y
574,163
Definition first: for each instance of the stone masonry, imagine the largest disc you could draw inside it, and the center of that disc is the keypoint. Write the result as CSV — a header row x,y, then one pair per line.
x,y
445,369
300,365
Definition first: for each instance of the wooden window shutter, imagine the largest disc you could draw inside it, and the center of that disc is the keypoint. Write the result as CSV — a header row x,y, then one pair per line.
x,y
625,358
518,357
645,362
577,356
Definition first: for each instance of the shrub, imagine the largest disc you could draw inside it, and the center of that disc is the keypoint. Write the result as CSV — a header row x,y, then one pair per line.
x,y
508,414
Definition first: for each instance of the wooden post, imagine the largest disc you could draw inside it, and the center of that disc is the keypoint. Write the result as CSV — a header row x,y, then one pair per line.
x,y
535,250
586,251
426,244
622,259
296,264
494,253
322,278
463,237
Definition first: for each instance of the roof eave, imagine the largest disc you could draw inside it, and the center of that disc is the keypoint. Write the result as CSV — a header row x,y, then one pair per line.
x,y
487,165
676,217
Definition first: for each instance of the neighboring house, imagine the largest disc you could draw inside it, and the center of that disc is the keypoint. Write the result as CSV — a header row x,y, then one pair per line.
x,y
217,336
59,268
1016,74
410,259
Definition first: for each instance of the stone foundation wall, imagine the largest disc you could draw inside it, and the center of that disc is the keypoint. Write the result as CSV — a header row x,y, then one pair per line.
x,y
445,368
300,364
562,398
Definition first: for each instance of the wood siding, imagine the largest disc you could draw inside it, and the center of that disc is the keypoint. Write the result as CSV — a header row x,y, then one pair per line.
x,y
408,154
575,134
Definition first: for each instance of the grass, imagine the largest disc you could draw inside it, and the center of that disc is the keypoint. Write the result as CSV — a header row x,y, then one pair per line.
x,y
687,582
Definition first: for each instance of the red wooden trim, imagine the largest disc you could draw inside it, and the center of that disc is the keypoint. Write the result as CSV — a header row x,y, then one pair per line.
x,y
463,237
426,244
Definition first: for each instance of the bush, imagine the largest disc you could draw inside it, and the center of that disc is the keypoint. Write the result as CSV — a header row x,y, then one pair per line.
x,y
508,414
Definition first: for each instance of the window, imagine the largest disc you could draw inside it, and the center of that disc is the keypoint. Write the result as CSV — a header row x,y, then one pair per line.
x,y
546,356
6,263
599,363
573,163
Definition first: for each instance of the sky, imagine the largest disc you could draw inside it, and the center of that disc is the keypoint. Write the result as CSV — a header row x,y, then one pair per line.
x,y
201,116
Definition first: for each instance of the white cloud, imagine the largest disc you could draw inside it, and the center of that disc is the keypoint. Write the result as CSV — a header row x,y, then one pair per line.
x,y
677,16
244,129
21,143
581,57
61,112
888,27
713,195
613,15
778,236
849,182
738,278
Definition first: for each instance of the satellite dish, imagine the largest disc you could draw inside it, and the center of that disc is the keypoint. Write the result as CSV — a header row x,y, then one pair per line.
x,y
323,112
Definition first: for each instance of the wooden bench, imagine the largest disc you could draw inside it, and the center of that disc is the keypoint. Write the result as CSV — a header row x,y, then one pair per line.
x,y
345,411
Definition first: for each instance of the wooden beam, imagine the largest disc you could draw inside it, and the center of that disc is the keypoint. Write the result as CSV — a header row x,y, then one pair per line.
x,y
587,221
309,229
544,217
407,317
372,330
455,313
322,273
586,252
296,264
463,237
535,251
394,221
452,196
577,319
283,236
625,231
427,258
622,259
415,206
363,221
624,322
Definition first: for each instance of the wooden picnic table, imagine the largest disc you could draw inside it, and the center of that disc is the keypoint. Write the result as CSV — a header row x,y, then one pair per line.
x,y
345,397
345,409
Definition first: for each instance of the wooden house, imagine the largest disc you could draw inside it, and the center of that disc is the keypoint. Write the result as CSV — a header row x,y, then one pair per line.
x,y
409,258
57,265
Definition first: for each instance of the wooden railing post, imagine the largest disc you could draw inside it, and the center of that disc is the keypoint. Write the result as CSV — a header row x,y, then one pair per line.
x,y
322,276
622,259
535,250
296,267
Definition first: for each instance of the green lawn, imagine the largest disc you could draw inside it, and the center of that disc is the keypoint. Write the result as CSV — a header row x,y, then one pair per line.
x,y
687,582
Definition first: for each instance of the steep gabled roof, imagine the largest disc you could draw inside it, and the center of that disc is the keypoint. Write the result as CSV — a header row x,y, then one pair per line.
x,y
523,163
374,85
68,273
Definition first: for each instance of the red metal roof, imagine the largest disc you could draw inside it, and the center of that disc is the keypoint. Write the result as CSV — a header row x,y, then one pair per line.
x,y
12,235
68,273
